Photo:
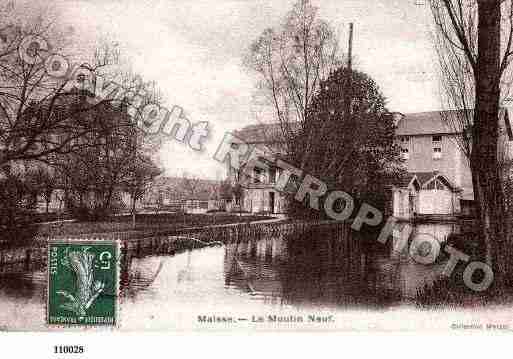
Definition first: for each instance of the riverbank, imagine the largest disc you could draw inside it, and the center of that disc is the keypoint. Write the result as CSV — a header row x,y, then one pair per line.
x,y
121,227
156,235
32,255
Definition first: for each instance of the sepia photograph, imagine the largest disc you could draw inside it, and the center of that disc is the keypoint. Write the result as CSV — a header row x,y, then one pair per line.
x,y
256,166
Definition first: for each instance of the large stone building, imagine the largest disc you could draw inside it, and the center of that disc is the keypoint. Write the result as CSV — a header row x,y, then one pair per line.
x,y
439,181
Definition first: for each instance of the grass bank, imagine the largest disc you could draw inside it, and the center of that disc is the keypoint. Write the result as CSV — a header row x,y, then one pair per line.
x,y
145,224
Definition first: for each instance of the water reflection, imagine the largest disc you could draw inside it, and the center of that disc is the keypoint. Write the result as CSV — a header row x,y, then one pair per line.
x,y
304,272
26,285
269,274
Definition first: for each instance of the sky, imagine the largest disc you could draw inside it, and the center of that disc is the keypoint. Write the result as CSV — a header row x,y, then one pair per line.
x,y
194,50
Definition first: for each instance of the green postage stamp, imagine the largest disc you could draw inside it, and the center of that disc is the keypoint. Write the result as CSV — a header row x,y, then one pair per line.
x,y
82,283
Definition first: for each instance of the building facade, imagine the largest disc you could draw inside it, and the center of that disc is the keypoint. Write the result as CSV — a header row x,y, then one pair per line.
x,y
439,180
258,192
428,145
433,153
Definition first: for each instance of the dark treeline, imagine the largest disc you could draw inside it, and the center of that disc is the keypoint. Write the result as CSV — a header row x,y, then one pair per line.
x,y
60,144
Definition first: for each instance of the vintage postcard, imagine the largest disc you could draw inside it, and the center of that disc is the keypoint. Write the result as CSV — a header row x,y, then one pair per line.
x,y
256,166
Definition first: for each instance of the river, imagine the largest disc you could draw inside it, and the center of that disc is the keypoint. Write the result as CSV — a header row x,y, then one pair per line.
x,y
244,281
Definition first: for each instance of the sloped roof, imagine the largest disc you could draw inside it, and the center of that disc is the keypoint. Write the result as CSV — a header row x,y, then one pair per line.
x,y
424,178
263,132
421,123
435,122
445,180
426,123
410,124
406,180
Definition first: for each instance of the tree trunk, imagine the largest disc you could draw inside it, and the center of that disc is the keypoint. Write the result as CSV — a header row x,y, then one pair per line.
x,y
48,198
484,146
133,211
107,198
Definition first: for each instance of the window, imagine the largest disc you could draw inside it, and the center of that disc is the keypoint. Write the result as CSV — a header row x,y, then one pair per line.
x,y
404,142
272,175
257,175
437,147
437,153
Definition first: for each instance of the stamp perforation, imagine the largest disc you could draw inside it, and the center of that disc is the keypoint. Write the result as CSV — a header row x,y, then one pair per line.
x,y
117,270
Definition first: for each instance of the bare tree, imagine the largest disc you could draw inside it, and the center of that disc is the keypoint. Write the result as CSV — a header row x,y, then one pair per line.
x,y
38,109
291,61
142,172
475,44
111,160
34,104
84,124
190,183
